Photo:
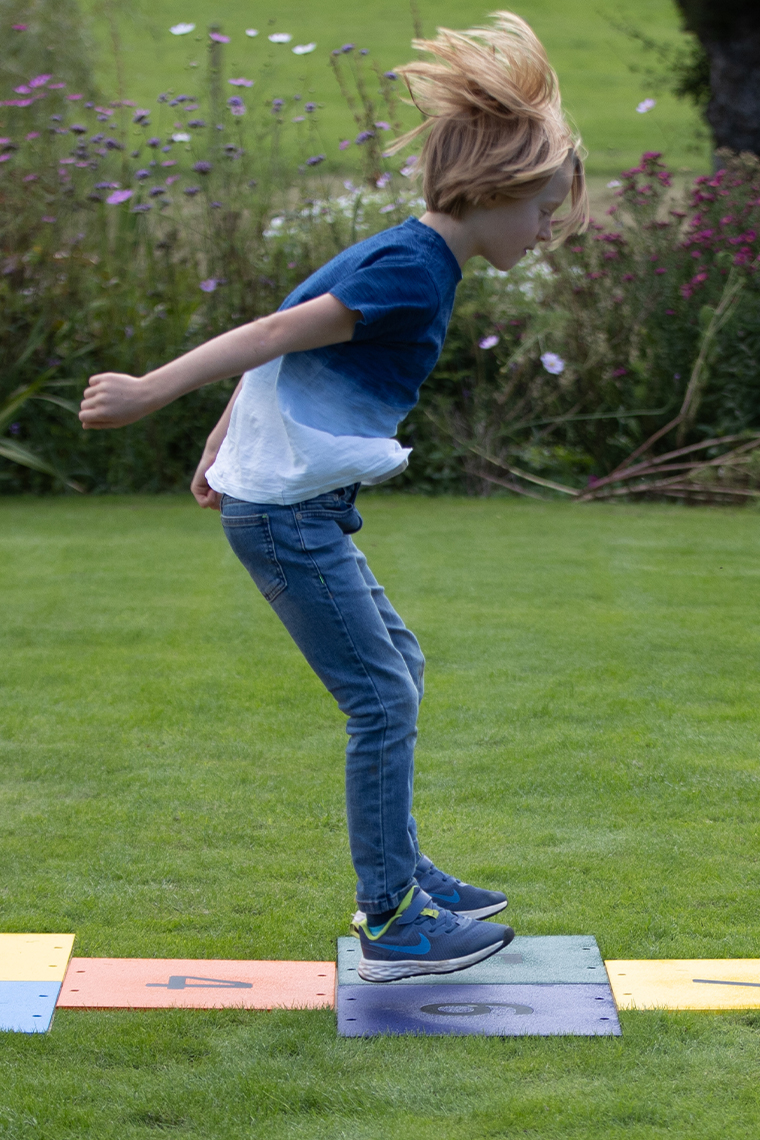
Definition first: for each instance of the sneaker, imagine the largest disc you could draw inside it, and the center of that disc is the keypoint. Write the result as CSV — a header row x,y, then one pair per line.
x,y
456,896
449,893
423,939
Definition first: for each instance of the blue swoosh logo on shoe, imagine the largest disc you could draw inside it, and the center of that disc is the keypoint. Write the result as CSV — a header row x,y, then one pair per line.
x,y
454,898
422,947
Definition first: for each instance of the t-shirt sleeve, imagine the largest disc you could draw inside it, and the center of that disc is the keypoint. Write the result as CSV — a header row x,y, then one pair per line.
x,y
393,299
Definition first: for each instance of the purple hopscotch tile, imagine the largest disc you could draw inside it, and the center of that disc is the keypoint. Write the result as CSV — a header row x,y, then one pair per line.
x,y
489,1011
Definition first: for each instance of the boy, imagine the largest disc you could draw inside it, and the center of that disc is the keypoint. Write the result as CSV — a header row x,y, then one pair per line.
x,y
326,380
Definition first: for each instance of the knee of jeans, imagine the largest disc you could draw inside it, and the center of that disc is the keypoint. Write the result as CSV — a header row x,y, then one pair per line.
x,y
394,706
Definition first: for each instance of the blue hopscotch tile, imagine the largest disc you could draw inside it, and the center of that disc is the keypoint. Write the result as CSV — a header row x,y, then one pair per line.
x,y
27,1007
563,959
466,1010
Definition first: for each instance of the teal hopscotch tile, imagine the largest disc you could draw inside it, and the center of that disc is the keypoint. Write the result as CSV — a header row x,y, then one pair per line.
x,y
27,1007
540,959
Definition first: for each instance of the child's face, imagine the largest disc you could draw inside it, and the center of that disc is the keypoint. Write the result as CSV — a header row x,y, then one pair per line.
x,y
508,227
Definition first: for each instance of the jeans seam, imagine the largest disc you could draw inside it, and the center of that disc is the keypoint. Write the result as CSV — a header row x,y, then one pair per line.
x,y
369,677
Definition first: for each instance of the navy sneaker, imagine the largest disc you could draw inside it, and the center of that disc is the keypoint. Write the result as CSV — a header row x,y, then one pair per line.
x,y
423,939
450,893
454,895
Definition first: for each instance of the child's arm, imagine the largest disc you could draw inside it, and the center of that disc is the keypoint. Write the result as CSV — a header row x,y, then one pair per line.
x,y
114,399
205,495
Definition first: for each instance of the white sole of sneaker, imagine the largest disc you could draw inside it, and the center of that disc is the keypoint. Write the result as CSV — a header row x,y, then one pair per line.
x,y
372,970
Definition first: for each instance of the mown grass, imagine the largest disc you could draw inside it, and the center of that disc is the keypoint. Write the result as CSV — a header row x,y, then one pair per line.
x,y
591,56
172,786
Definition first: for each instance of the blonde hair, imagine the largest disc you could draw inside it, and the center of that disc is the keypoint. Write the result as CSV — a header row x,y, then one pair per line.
x,y
494,122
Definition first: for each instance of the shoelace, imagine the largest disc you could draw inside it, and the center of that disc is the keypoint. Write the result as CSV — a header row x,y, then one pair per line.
x,y
444,922
441,879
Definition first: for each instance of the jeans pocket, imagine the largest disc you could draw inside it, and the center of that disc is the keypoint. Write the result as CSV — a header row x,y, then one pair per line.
x,y
250,536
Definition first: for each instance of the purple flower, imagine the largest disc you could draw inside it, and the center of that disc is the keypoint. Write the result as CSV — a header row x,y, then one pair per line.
x,y
181,99
344,144
383,126
383,181
646,105
316,159
47,218
215,205
553,363
390,75
488,342
154,142
31,177
20,28
278,104
347,48
118,197
236,105
202,167
191,191
15,429
141,117
172,179
32,135
363,136
106,185
143,209
196,123
310,107
39,80
617,372
209,285
156,190
114,144
141,174
169,162
240,82
218,38
73,98
23,90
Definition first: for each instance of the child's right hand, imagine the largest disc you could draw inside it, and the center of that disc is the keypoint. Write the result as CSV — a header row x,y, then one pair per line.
x,y
114,399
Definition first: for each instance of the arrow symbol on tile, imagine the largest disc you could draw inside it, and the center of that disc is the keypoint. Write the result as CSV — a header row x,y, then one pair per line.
x,y
188,982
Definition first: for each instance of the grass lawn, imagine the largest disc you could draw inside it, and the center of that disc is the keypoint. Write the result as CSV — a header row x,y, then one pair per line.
x,y
591,57
172,786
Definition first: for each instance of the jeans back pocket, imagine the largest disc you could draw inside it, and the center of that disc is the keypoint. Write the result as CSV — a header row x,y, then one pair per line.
x,y
249,533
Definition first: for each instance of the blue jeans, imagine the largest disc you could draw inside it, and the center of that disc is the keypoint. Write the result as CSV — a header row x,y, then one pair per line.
x,y
305,563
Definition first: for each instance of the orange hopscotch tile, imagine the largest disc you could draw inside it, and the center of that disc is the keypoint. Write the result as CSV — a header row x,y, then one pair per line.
x,y
192,983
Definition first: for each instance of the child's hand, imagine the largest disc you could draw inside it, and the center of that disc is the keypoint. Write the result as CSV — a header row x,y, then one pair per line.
x,y
205,496
113,400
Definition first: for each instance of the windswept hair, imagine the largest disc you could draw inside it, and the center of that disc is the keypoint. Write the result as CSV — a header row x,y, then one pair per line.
x,y
494,121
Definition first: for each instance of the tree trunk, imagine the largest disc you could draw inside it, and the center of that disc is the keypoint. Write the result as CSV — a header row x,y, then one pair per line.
x,y
729,31
734,108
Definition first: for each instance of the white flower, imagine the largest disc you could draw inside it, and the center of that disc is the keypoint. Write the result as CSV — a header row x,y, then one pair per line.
x,y
280,38
646,105
251,32
614,183
553,363
182,29
489,342
303,49
181,136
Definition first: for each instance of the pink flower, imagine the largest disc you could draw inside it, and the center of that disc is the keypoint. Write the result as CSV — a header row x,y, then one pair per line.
x,y
56,86
620,372
118,197
39,80
32,135
20,28
344,144
172,179
218,38
23,90
31,177
47,218
209,285
488,342
73,98
553,363
383,126
4,157
240,82
660,269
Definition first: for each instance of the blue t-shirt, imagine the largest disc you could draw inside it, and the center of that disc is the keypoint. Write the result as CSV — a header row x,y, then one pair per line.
x,y
312,421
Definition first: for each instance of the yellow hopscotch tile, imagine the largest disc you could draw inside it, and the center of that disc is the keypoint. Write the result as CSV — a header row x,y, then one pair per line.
x,y
34,957
686,983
